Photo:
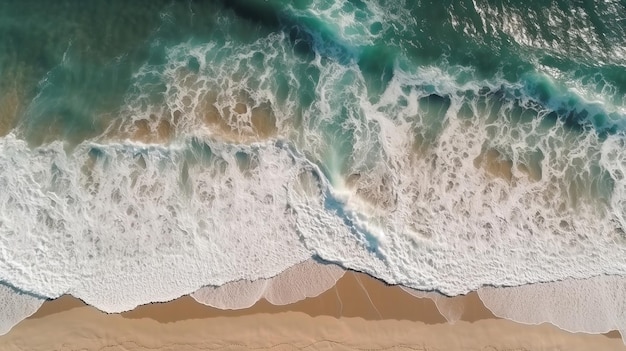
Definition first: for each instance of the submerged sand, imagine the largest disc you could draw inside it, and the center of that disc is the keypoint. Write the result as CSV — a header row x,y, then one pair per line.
x,y
359,313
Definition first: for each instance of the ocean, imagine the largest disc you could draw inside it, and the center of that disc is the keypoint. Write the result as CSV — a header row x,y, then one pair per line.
x,y
152,148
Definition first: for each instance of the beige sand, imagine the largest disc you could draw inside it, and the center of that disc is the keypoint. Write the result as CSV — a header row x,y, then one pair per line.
x,y
359,313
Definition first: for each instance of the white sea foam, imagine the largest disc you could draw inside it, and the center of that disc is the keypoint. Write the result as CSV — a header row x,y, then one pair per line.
x,y
122,225
594,305
307,279
449,226
422,216
16,306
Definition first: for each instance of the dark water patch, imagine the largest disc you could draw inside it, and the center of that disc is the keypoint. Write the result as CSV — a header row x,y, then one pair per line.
x,y
436,105
575,112
199,152
432,110
96,153
377,65
265,13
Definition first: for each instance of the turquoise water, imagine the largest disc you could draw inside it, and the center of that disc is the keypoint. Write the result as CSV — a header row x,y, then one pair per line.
x,y
413,140
73,70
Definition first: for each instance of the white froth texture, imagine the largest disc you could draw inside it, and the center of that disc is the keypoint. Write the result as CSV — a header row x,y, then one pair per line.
x,y
304,280
451,191
594,305
123,225
435,184
15,307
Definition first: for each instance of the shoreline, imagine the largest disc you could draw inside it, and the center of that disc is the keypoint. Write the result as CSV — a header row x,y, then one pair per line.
x,y
358,312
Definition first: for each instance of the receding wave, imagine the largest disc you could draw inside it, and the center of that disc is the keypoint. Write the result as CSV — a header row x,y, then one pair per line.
x,y
16,307
304,280
593,305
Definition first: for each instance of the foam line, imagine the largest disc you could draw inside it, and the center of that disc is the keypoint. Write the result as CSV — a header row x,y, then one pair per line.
x,y
304,280
16,306
594,305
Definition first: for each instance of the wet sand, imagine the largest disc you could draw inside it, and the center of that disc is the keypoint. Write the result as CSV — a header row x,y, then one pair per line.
x,y
358,313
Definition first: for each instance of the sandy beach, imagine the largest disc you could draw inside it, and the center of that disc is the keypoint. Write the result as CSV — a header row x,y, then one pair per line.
x,y
359,313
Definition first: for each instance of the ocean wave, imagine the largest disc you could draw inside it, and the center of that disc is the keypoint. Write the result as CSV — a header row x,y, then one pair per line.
x,y
277,132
